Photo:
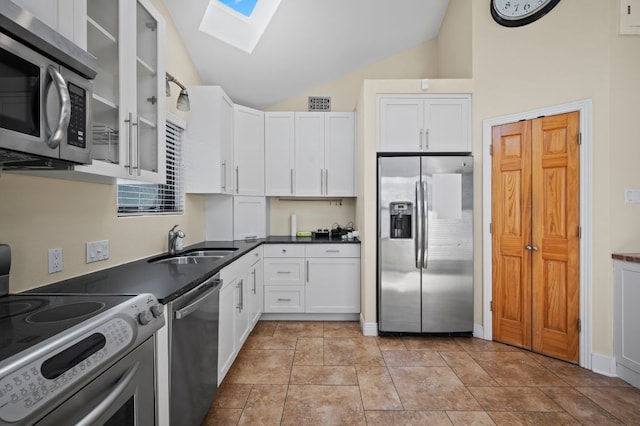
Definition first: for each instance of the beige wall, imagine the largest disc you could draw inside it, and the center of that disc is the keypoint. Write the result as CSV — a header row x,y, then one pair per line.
x,y
38,213
455,41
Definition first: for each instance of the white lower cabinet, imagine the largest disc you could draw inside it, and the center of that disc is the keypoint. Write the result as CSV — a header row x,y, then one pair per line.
x,y
312,278
626,321
238,315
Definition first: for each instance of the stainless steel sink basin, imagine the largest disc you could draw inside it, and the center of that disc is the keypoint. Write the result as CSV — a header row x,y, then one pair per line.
x,y
194,257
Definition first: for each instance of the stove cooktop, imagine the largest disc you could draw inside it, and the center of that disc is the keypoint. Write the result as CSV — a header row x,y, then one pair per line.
x,y
26,320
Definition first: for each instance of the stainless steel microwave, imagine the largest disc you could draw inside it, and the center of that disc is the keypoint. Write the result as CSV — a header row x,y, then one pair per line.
x,y
45,106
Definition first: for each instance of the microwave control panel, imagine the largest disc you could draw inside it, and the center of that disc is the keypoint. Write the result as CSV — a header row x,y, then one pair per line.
x,y
77,130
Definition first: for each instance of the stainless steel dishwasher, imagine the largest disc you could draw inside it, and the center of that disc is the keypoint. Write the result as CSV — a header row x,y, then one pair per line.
x,y
193,356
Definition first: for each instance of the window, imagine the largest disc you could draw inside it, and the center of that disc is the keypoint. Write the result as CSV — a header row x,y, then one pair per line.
x,y
135,199
242,6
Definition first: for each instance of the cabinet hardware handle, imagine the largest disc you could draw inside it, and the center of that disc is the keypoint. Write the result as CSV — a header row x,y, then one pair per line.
x,y
130,142
284,250
332,251
251,237
254,281
224,176
291,180
420,139
307,271
137,125
284,272
239,305
326,181
426,139
284,300
237,179
321,182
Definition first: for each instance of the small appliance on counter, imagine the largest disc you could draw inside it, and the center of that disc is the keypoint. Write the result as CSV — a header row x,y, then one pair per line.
x,y
321,234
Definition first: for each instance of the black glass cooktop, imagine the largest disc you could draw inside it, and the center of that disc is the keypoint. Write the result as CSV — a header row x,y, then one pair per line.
x,y
28,319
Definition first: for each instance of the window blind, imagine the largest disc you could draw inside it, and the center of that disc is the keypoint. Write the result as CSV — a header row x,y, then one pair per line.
x,y
152,199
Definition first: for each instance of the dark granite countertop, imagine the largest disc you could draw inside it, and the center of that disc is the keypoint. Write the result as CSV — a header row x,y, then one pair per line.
x,y
165,281
628,257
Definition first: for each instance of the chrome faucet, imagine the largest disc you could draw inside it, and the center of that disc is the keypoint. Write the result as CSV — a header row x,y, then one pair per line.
x,y
173,237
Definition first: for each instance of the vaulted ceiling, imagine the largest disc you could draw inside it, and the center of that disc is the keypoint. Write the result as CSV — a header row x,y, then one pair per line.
x,y
308,43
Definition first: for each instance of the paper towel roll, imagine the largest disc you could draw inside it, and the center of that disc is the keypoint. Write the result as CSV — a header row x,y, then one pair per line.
x,y
294,226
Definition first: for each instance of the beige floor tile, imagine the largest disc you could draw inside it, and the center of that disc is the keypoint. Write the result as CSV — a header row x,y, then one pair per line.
x,y
472,344
503,356
428,343
377,389
270,342
309,351
623,402
467,370
517,372
580,407
391,343
352,351
299,329
413,359
431,388
323,375
575,375
265,328
261,367
517,419
222,417
407,418
470,418
265,405
231,395
342,329
323,405
513,399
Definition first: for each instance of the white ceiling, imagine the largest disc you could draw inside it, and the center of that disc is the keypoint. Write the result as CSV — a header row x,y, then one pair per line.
x,y
308,43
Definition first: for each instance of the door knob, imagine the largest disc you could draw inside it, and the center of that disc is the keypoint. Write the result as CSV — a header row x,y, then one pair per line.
x,y
531,248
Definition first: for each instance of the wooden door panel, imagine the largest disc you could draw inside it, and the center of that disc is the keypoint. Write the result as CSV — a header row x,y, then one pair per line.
x,y
555,225
511,223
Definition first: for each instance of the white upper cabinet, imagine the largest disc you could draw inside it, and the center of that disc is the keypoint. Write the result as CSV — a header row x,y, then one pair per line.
x,y
67,17
128,38
279,158
429,123
310,154
208,147
248,150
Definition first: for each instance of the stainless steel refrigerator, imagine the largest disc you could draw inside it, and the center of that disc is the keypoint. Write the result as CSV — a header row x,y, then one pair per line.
x,y
425,244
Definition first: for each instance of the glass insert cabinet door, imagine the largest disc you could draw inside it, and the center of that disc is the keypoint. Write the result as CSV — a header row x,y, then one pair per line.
x,y
129,106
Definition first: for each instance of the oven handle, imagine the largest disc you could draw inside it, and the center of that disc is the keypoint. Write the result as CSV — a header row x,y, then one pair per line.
x,y
65,107
108,401
188,310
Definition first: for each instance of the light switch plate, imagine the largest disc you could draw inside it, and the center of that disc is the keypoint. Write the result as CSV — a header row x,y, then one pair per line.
x,y
630,17
631,196
97,251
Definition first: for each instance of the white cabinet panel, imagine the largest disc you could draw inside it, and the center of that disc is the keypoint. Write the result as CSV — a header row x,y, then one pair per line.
x,y
332,250
309,154
256,286
248,150
339,154
284,299
279,153
333,285
626,321
67,17
284,271
226,328
284,250
429,123
249,217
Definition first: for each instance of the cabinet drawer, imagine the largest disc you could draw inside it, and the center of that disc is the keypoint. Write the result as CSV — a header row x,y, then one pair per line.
x,y
283,271
284,299
284,250
332,250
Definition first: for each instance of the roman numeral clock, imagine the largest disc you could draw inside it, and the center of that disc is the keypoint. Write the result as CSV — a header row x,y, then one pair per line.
x,y
516,13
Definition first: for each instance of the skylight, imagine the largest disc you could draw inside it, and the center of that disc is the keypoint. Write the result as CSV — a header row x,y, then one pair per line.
x,y
239,23
242,6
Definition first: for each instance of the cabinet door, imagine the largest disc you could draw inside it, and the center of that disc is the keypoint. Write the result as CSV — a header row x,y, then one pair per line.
x,y
284,299
284,271
256,285
279,139
339,154
401,124
309,154
208,147
333,285
249,218
446,125
226,331
64,16
243,310
248,150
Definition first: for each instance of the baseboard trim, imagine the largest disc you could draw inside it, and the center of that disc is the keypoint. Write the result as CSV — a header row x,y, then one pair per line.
x,y
478,331
628,375
308,317
602,364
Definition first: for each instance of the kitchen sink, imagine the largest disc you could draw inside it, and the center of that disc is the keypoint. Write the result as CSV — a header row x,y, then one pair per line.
x,y
194,257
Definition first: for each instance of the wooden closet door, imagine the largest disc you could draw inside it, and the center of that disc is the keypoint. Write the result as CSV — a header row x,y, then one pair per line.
x,y
555,231
511,233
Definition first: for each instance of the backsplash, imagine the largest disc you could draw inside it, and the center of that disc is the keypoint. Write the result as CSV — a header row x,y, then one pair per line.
x,y
310,214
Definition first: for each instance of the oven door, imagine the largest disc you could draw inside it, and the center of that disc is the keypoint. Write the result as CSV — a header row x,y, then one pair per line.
x,y
38,102
122,395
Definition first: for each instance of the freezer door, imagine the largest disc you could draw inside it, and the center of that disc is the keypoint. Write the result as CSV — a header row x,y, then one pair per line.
x,y
447,275
398,250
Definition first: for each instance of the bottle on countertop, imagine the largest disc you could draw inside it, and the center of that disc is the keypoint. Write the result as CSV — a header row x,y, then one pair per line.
x,y
294,225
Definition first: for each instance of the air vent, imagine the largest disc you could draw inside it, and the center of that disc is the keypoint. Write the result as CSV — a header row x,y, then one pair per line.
x,y
319,103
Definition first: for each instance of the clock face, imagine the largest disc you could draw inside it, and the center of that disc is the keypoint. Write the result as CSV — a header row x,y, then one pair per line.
x,y
514,13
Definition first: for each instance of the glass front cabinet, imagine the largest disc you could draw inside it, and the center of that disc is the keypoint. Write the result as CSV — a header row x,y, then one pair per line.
x,y
128,38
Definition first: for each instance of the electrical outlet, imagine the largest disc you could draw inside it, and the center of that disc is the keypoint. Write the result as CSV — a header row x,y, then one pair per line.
x,y
97,250
55,260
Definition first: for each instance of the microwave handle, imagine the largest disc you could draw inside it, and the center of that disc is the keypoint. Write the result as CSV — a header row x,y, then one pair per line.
x,y
60,85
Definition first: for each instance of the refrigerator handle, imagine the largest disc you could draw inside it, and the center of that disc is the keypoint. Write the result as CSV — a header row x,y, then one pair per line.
x,y
417,238
425,223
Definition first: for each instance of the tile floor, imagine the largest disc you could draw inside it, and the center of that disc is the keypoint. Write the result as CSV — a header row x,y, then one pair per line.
x,y
327,373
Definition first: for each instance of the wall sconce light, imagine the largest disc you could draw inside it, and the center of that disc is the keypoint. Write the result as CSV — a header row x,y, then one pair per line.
x,y
183,98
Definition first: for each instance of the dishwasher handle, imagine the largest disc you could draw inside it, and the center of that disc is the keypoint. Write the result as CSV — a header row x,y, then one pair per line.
x,y
210,286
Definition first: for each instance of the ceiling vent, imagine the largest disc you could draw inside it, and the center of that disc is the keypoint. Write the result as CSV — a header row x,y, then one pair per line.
x,y
319,103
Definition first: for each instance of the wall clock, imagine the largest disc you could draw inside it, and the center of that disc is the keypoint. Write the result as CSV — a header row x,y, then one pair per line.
x,y
515,13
